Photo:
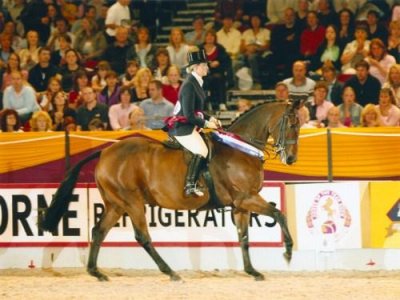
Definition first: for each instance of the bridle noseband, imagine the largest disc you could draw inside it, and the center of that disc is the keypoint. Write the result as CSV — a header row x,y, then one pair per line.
x,y
282,141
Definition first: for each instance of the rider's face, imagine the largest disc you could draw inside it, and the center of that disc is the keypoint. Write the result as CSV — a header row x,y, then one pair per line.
x,y
202,69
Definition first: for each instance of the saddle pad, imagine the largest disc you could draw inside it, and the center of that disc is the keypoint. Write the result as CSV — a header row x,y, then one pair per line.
x,y
238,144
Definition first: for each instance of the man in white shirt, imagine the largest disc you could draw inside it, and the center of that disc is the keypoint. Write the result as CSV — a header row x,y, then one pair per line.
x,y
117,15
299,84
229,37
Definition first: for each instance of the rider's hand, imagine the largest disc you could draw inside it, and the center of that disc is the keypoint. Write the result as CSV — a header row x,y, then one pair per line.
x,y
216,121
211,125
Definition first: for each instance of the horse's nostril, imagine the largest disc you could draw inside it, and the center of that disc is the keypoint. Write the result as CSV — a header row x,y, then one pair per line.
x,y
290,159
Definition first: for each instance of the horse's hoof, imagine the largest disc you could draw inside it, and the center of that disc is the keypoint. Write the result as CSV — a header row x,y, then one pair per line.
x,y
259,277
175,277
100,276
288,257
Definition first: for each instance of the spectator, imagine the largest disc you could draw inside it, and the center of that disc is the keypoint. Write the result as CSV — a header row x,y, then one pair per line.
x,y
352,5
233,8
70,124
30,55
44,99
20,97
350,110
81,80
118,114
254,47
335,87
333,119
17,42
376,30
15,9
35,17
116,53
40,74
5,49
142,82
285,43
90,42
345,28
394,39
90,14
319,106
370,116
143,51
326,13
170,89
243,105
41,122
281,91
98,80
299,84
13,64
304,118
393,82
177,48
62,27
301,13
70,69
117,15
356,50
389,112
229,38
60,111
275,9
110,94
162,64
131,69
9,121
90,110
379,60
156,108
137,119
366,86
220,70
96,125
311,37
197,35
58,56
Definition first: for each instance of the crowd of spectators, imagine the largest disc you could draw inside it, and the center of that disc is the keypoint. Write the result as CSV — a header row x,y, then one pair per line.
x,y
93,64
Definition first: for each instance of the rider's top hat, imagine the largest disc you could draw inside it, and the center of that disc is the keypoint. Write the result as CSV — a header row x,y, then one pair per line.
x,y
196,56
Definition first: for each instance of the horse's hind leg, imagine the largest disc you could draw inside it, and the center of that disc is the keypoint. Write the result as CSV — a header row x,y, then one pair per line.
x,y
137,214
242,226
99,232
258,205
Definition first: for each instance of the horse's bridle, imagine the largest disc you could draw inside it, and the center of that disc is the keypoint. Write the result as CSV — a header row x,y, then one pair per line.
x,y
282,141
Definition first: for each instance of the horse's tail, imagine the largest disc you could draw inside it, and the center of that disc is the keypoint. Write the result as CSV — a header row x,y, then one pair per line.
x,y
59,205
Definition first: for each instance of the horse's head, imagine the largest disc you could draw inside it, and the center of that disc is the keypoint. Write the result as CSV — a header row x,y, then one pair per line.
x,y
285,132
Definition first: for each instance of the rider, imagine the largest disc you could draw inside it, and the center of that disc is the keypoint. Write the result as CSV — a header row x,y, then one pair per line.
x,y
189,117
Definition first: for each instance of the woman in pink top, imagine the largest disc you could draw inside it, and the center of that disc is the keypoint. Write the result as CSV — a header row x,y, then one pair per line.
x,y
390,113
379,61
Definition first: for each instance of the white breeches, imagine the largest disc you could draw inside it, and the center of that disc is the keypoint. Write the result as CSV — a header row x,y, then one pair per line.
x,y
194,143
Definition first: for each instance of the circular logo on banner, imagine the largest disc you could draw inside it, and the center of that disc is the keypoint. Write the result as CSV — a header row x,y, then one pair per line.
x,y
328,215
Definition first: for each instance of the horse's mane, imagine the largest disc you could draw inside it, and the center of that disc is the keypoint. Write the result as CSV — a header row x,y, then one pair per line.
x,y
254,108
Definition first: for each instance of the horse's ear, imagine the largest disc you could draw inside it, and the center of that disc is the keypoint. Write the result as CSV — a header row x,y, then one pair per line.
x,y
298,103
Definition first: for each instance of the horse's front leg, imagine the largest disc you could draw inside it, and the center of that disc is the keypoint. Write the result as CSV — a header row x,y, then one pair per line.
x,y
242,226
256,204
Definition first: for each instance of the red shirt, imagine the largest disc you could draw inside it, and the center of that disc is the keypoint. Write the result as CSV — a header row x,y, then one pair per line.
x,y
170,93
311,40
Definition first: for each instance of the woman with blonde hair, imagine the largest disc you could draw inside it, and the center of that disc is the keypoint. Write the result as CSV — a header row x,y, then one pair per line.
x,y
172,84
390,113
394,39
393,82
177,48
141,81
41,121
370,116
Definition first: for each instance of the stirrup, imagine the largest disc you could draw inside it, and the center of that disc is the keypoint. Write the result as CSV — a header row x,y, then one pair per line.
x,y
192,190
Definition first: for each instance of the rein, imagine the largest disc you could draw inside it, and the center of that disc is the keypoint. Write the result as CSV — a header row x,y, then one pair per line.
x,y
281,142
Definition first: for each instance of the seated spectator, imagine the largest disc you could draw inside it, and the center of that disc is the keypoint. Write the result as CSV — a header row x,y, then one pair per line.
x,y
5,49
9,121
69,124
304,6
156,108
333,119
110,94
30,55
137,120
90,13
326,13
254,45
370,116
170,89
229,38
311,37
116,52
143,51
177,48
118,114
141,84
70,69
96,125
393,82
60,110
281,91
13,64
355,51
220,70
62,27
366,86
345,28
197,35
90,109
58,56
243,105
379,60
17,42
98,80
162,64
40,74
394,40
299,84
81,81
389,112
304,118
275,9
319,106
45,97
335,87
41,122
375,29
20,97
90,42
350,110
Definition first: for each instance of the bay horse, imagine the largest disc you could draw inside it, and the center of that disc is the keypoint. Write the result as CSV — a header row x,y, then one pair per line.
x,y
138,171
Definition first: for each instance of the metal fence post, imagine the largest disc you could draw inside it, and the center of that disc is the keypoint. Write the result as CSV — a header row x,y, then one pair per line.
x,y
329,146
67,152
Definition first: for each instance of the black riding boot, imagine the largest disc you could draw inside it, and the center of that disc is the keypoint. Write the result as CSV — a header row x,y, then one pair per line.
x,y
192,176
